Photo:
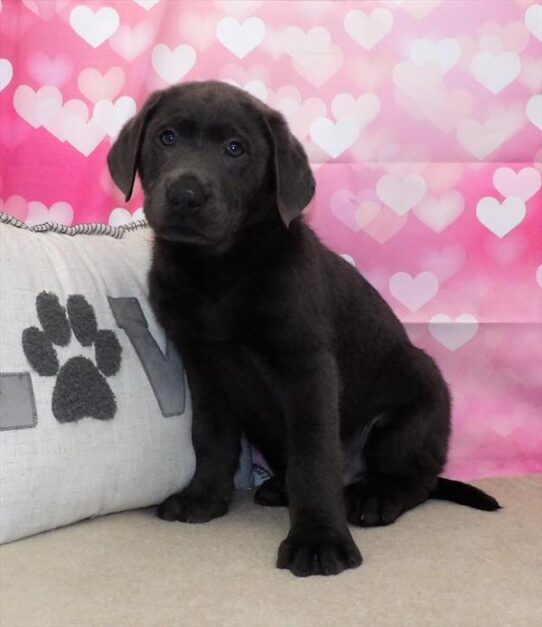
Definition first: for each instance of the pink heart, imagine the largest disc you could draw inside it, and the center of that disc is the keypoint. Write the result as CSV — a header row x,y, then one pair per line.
x,y
14,133
444,108
355,210
448,108
49,70
370,74
512,36
15,206
444,262
531,75
302,119
286,99
507,251
504,424
441,177
129,43
239,8
242,76
419,8
385,225
96,86
318,67
45,10
414,291
377,276
523,184
316,11
439,212
198,29
419,82
110,188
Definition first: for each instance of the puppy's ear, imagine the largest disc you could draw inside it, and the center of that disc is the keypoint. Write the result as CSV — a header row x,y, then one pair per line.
x,y
124,154
294,181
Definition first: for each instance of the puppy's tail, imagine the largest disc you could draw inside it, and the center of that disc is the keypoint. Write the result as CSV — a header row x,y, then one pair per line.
x,y
464,494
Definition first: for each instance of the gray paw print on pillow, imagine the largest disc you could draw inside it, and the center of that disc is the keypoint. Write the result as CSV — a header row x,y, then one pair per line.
x,y
81,389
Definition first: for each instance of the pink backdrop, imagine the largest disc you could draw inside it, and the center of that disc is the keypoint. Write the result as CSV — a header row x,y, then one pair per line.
x,y
423,121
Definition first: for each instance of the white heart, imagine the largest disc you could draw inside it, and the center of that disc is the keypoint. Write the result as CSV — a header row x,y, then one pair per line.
x,y
318,68
365,108
112,117
453,333
172,65
254,88
439,213
414,292
296,41
146,4
534,110
523,184
368,30
288,106
495,72
46,110
240,38
6,73
401,193
446,52
120,216
480,139
500,218
58,213
94,28
332,138
533,20
83,136
52,114
26,101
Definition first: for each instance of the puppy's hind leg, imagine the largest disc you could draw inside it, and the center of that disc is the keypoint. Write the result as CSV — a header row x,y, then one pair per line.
x,y
407,446
272,493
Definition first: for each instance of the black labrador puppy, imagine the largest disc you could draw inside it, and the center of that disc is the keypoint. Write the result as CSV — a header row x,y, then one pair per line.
x,y
282,339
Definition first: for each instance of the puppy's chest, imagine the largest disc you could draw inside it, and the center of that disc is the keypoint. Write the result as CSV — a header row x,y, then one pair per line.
x,y
215,318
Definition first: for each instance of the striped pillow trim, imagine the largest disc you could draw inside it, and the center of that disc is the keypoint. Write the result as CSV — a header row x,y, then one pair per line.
x,y
78,229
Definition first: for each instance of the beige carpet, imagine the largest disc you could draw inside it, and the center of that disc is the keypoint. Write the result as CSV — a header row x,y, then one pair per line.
x,y
440,565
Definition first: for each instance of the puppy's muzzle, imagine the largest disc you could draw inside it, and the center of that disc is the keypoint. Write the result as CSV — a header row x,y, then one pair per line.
x,y
185,192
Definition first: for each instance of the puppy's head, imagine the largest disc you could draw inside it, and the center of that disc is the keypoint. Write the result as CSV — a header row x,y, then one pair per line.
x,y
211,159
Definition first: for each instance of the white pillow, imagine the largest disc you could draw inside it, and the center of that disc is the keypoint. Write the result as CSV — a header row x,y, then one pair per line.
x,y
95,413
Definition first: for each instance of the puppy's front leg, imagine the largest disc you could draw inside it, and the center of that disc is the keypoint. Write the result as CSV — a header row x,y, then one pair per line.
x,y
319,541
216,437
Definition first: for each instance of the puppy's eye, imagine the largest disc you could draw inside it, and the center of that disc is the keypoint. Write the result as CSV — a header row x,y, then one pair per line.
x,y
235,149
168,138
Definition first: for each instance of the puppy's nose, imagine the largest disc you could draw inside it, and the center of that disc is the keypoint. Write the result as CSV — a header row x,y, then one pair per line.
x,y
185,193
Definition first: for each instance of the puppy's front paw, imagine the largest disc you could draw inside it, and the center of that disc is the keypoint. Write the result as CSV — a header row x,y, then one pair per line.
x,y
192,508
318,553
